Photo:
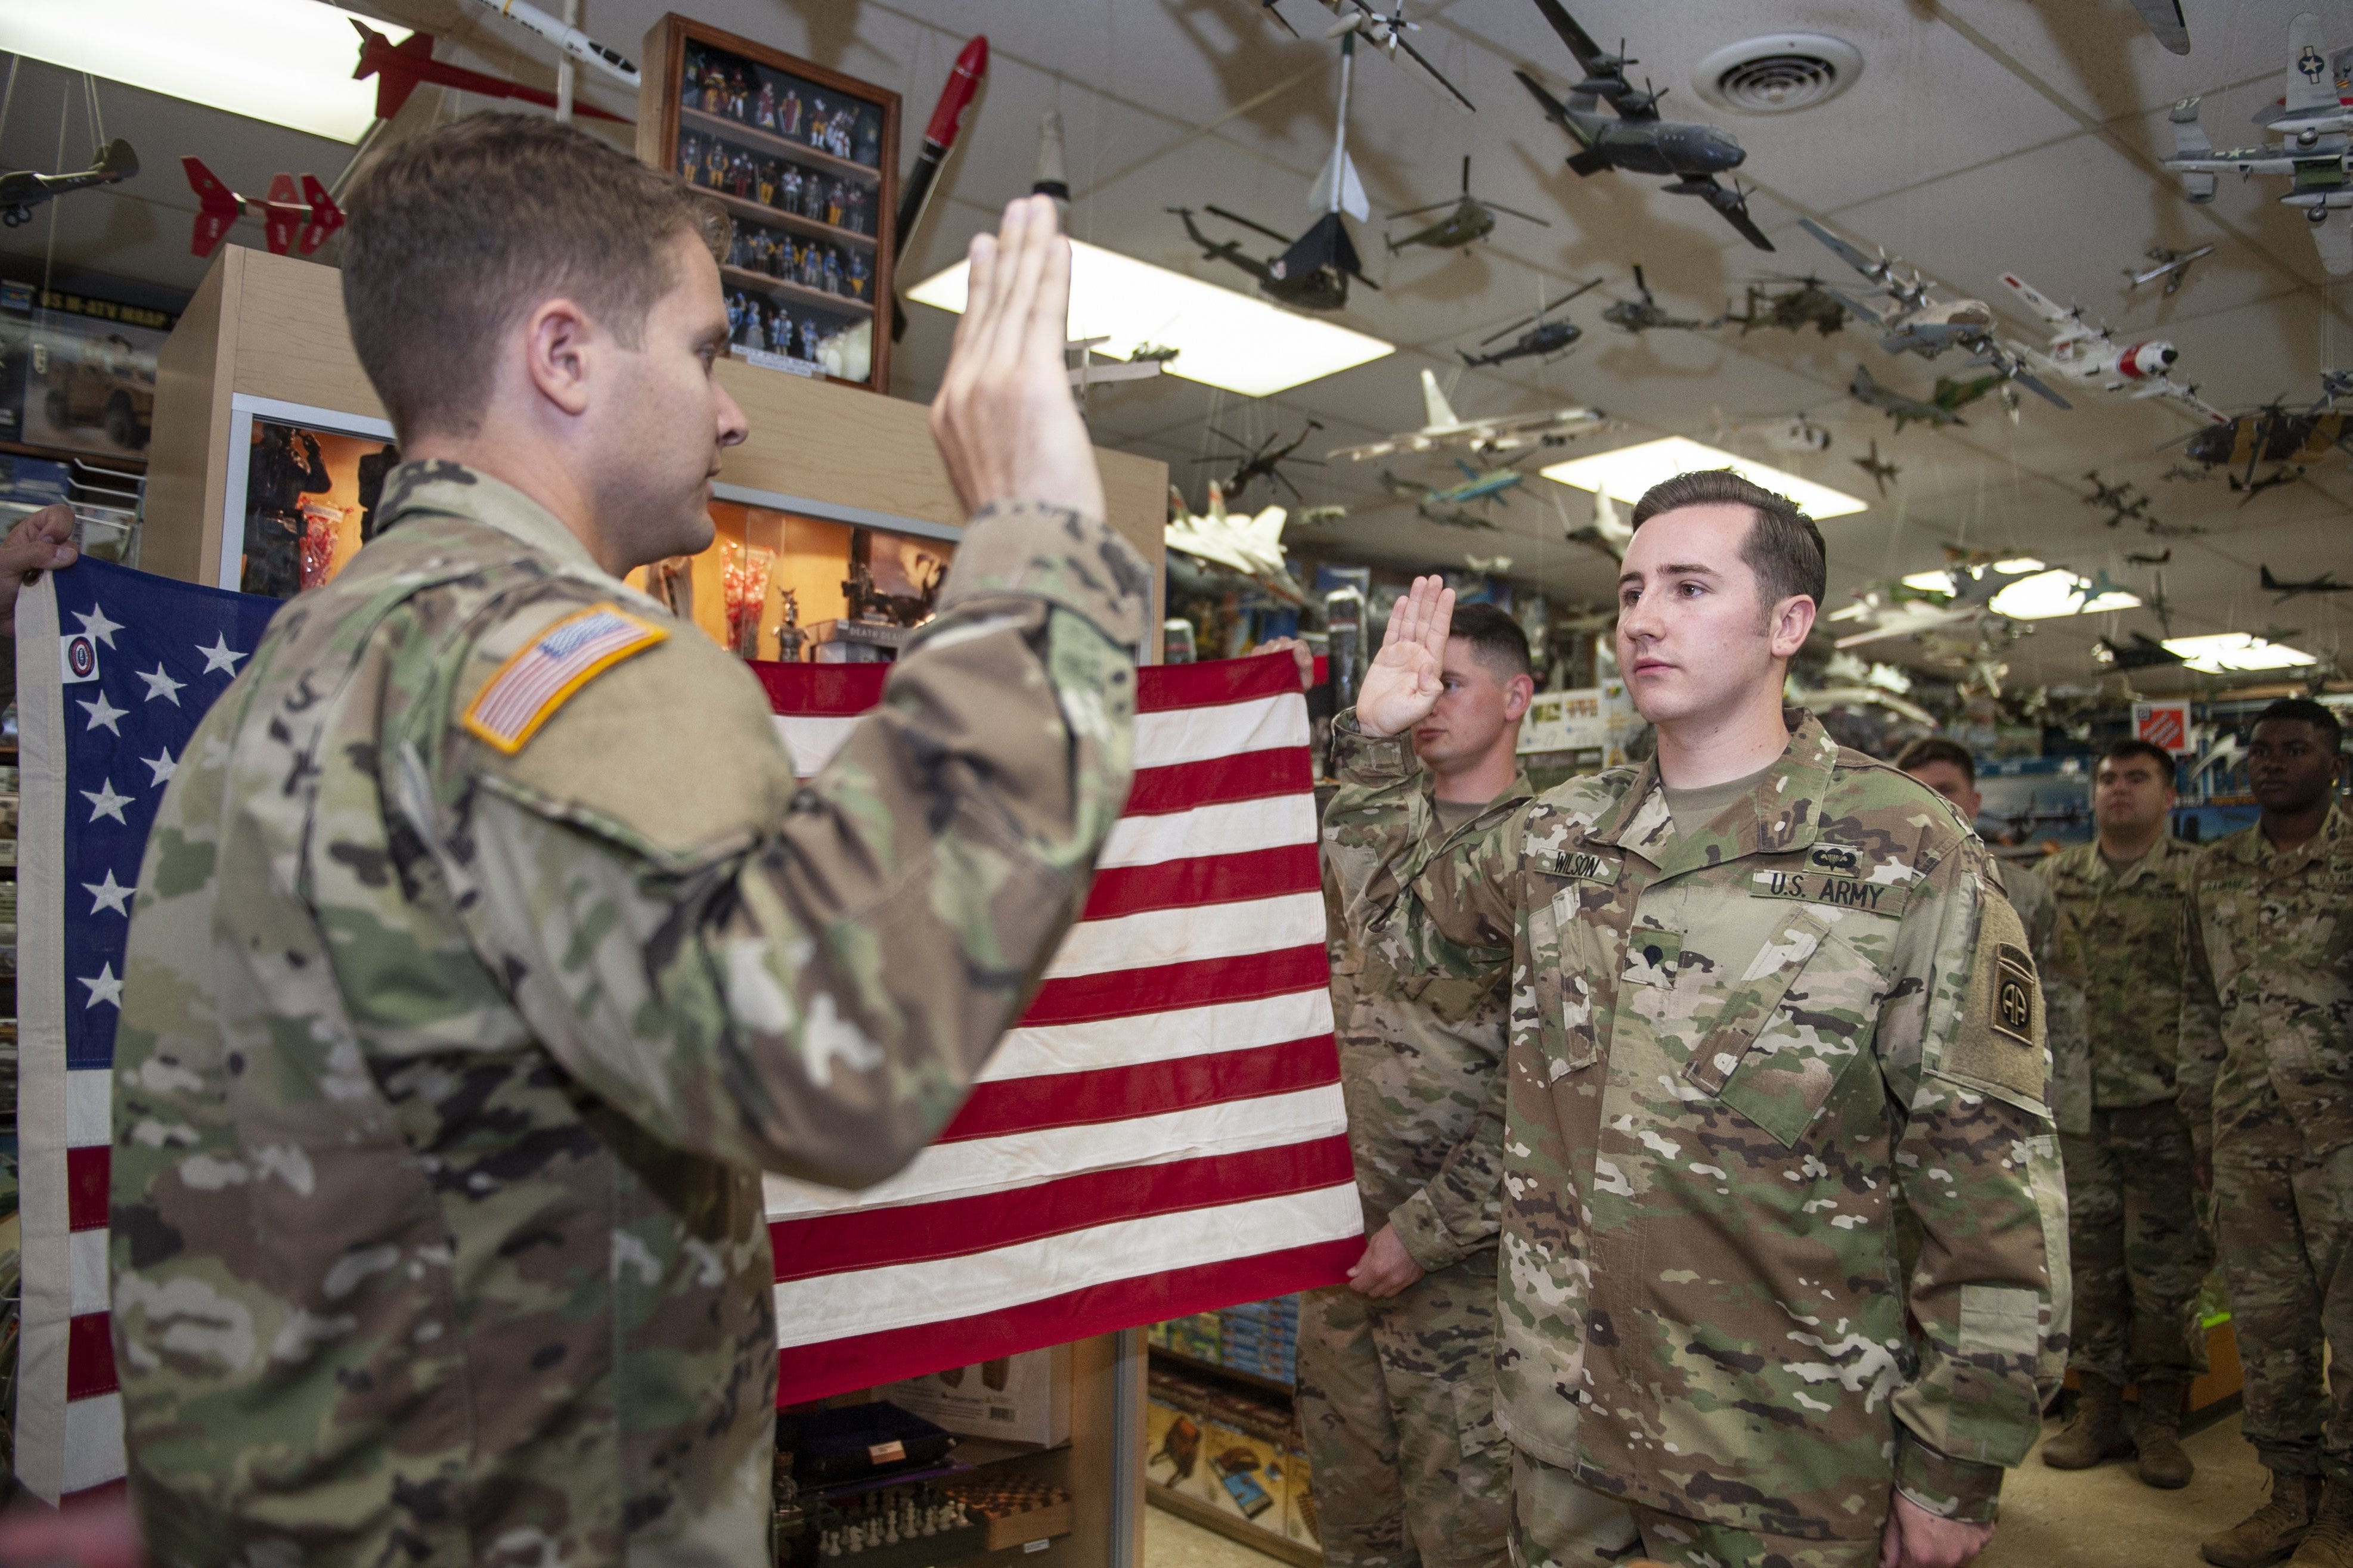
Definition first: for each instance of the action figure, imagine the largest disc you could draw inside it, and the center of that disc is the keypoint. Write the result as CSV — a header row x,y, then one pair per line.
x,y
857,213
671,582
319,540
768,183
689,87
715,165
738,93
859,276
832,271
765,114
833,204
808,338
373,469
735,316
789,636
689,159
781,340
788,191
739,176
869,139
788,120
281,473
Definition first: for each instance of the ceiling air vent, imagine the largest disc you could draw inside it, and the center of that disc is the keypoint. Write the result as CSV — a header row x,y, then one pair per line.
x,y
1778,73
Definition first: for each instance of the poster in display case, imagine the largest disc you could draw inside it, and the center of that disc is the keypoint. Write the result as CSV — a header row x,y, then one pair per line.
x,y
806,161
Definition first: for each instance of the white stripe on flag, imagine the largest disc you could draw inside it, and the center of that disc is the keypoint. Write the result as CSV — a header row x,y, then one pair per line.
x,y
938,1290
85,1269
1233,827
93,1445
1155,937
1173,735
90,1107
813,737
1163,1036
1024,1159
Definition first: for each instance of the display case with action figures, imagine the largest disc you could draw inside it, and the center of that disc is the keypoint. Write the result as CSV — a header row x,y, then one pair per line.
x,y
806,161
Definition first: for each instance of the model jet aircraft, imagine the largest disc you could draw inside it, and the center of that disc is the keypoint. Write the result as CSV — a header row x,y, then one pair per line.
x,y
1638,141
2123,504
23,190
2099,586
401,68
2164,19
2173,266
2314,150
1899,406
1903,618
1264,461
291,220
1913,321
1473,219
1782,432
2143,652
1385,33
1476,489
2325,583
1805,303
1638,316
1545,338
1498,433
2135,558
1609,532
2080,351
1251,545
1880,472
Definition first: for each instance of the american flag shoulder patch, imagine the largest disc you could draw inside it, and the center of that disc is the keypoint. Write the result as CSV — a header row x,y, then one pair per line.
x,y
542,675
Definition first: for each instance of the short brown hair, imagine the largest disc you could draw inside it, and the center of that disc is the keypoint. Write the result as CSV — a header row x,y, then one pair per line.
x,y
455,233
1497,639
2137,747
1936,749
1783,548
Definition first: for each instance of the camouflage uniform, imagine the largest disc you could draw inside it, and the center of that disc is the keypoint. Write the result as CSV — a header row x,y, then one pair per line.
x,y
2140,1254
1396,1397
447,1069
2266,1078
1703,1316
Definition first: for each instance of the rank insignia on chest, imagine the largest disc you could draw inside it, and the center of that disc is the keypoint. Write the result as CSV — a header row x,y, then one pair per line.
x,y
1844,892
1578,865
542,676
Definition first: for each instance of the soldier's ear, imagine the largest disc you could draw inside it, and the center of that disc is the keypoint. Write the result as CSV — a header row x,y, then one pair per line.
x,y
1518,693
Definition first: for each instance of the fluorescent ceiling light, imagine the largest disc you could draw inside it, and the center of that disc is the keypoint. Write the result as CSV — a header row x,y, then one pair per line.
x,y
1941,581
2225,653
1223,338
2047,596
286,61
1629,472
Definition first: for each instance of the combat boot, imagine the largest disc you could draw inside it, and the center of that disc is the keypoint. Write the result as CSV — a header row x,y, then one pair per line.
x,y
2329,1542
2097,1434
2157,1434
2273,1531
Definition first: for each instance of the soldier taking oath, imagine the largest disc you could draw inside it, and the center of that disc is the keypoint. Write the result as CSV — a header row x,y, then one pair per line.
x,y
485,950
1396,1368
1762,994
2266,1079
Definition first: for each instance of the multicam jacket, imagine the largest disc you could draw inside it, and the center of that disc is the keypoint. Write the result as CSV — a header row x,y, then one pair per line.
x,y
1734,1054
472,987
2120,941
1422,1025
2268,1006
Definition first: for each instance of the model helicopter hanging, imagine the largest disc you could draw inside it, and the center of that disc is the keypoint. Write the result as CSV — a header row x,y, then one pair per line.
x,y
1638,316
1638,141
1804,303
1264,461
1386,32
2314,150
1313,273
2272,435
25,189
1473,219
1545,339
1496,433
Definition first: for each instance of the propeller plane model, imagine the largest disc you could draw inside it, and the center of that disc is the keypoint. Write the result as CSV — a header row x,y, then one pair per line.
x,y
2314,150
2079,351
25,189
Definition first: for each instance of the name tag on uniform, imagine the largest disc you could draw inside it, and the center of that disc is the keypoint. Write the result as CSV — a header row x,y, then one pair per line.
x,y
1839,893
1579,865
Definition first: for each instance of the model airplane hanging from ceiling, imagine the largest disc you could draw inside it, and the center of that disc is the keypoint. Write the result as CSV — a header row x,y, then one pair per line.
x,y
1901,407
2314,150
24,190
2173,266
1638,141
1498,433
401,68
1239,542
2080,351
291,220
2164,18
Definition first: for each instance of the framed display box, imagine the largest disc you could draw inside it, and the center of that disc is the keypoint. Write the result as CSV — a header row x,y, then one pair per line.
x,y
807,160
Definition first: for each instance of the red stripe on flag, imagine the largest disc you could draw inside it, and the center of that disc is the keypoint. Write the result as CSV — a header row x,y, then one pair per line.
x,y
1204,879
1149,1089
843,689
960,1228
1162,687
86,1174
90,1356
1215,781
102,1492
1133,993
814,1372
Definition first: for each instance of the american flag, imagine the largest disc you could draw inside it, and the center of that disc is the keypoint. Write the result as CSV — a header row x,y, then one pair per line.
x,y
114,668
1162,1134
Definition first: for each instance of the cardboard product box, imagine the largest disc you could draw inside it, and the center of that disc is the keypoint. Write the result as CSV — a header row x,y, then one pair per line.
x,y
1024,1398
1238,1472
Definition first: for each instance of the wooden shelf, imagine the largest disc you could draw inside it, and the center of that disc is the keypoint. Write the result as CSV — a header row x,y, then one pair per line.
x,y
1233,1374
751,137
777,217
743,277
1210,1518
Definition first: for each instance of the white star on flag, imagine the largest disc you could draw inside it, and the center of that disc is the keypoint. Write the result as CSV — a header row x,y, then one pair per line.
x,y
220,655
105,986
162,765
161,685
104,802
102,712
95,624
109,895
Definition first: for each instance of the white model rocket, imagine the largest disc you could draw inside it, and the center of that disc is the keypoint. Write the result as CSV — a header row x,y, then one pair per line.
x,y
568,39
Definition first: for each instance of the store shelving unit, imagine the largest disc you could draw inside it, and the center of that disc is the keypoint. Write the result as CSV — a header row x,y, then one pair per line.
x,y
1222,1442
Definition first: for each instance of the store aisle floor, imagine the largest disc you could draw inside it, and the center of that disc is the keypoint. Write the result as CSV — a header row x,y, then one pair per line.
x,y
2084,1518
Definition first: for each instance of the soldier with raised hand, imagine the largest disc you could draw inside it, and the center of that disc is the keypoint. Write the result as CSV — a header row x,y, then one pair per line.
x,y
2139,1252
485,950
1762,995
2266,1078
1396,1368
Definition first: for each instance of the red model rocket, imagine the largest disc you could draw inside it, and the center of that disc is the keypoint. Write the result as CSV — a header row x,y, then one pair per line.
x,y
939,139
289,221
400,69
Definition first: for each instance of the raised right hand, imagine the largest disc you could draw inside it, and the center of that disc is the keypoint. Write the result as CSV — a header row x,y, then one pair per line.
x,y
1403,684
1004,420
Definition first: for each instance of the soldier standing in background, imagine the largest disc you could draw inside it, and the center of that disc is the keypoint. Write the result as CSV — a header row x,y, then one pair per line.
x,y
2266,1078
2140,1254
1396,1368
1764,993
1946,767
